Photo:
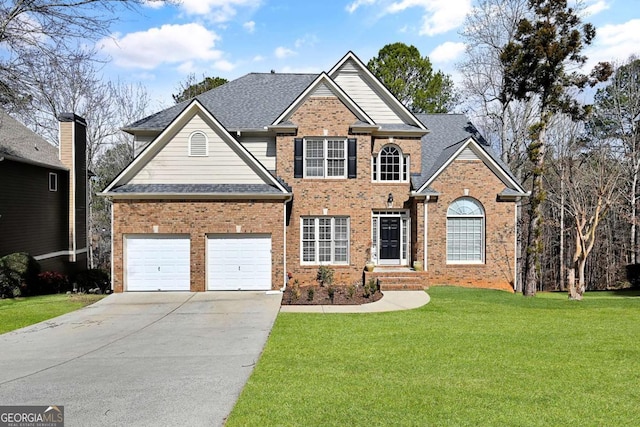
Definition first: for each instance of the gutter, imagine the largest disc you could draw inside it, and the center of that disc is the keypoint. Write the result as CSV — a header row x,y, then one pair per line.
x,y
183,196
284,244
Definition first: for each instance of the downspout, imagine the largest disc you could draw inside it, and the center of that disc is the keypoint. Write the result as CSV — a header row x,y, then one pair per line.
x,y
426,232
284,245
515,248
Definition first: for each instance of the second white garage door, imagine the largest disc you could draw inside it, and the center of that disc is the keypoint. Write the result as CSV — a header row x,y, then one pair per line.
x,y
239,262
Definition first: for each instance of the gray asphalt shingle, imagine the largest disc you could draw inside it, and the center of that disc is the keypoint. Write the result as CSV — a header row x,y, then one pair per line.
x,y
18,141
249,102
197,188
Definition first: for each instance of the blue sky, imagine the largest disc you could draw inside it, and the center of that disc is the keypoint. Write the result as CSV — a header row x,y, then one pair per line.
x,y
163,43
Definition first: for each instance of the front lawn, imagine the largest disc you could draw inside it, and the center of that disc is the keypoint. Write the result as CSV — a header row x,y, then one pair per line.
x,y
20,312
469,357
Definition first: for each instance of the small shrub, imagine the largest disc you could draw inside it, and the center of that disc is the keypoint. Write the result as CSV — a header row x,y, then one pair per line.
x,y
19,274
91,279
370,288
310,293
295,290
331,291
325,275
52,282
351,290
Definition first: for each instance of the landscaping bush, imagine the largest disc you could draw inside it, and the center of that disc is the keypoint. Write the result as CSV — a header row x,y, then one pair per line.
x,y
52,282
18,274
91,279
633,275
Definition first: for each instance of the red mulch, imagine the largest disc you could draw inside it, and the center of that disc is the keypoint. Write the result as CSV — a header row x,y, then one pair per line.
x,y
320,296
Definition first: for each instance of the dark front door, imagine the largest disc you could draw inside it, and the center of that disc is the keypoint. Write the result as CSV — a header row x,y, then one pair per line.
x,y
389,238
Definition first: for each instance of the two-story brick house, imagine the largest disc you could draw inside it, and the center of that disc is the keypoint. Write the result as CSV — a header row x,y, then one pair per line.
x,y
274,174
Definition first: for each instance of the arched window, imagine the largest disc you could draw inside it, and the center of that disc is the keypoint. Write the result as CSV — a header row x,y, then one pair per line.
x,y
198,144
465,231
390,165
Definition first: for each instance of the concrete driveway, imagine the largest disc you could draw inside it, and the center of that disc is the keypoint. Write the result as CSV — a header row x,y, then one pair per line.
x,y
140,359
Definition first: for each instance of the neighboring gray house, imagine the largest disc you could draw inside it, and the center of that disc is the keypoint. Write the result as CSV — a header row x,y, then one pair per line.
x,y
43,194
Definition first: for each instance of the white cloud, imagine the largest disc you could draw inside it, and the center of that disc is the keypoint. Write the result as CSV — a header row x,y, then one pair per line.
x,y
306,40
352,7
250,26
283,52
216,10
447,52
153,4
187,68
614,43
223,65
258,58
169,44
438,16
596,6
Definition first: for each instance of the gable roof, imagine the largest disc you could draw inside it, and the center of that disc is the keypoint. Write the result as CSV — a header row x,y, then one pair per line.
x,y
21,144
324,79
378,87
249,102
121,184
450,134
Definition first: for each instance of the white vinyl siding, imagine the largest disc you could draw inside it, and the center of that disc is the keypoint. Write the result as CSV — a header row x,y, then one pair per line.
x,y
263,149
363,94
140,142
465,232
173,165
322,91
324,240
468,154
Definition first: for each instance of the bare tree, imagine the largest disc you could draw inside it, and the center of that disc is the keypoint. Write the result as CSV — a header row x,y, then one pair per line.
x,y
592,188
617,116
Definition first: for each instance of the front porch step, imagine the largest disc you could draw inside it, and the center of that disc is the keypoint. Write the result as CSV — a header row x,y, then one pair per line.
x,y
398,279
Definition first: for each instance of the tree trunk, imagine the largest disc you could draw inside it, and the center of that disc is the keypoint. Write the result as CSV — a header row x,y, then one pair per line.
x,y
633,192
562,207
534,247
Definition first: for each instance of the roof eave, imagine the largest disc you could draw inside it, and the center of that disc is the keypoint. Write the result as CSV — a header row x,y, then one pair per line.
x,y
31,162
198,196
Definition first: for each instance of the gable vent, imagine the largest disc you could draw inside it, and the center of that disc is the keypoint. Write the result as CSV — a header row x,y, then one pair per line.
x,y
467,154
198,144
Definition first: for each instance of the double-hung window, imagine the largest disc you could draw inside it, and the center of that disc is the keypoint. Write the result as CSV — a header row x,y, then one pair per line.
x,y
325,240
390,165
325,158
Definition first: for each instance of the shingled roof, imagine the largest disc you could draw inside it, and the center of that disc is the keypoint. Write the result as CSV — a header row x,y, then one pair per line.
x,y
249,102
447,133
22,144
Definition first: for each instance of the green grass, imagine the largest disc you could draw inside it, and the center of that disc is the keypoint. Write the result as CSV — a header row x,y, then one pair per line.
x,y
468,358
20,312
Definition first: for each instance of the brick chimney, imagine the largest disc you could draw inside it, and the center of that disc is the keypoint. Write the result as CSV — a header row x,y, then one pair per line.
x,y
73,154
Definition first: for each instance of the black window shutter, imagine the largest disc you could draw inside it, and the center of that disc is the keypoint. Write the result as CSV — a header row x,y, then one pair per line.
x,y
352,158
297,158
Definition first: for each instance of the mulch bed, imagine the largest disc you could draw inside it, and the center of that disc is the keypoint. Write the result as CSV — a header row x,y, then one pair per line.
x,y
320,296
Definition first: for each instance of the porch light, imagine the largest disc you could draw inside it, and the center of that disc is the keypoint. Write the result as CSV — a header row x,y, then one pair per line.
x,y
390,200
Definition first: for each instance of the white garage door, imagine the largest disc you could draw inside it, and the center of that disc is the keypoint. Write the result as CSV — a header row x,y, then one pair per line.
x,y
239,262
157,263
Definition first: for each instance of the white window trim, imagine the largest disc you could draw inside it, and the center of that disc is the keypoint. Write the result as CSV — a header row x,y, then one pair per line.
x,y
325,162
405,166
53,187
206,146
483,218
316,240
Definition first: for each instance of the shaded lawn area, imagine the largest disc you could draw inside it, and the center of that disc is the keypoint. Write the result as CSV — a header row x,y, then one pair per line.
x,y
469,357
20,312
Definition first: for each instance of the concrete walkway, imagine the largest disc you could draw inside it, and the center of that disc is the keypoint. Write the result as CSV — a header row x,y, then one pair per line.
x,y
391,301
